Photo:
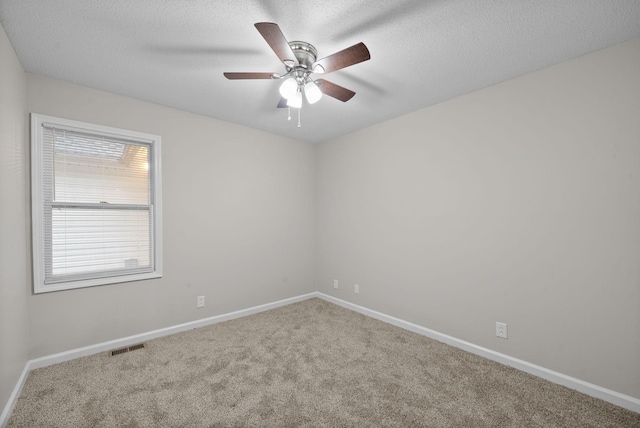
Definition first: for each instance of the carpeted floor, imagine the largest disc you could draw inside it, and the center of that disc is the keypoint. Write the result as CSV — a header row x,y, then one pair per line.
x,y
310,364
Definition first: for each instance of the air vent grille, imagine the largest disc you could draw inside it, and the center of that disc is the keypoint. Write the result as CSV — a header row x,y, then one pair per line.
x,y
126,349
138,346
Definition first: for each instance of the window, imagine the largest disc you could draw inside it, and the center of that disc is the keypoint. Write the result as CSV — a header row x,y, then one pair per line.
x,y
96,204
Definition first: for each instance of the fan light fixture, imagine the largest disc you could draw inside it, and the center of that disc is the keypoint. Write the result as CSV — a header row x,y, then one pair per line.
x,y
312,92
289,88
292,88
296,100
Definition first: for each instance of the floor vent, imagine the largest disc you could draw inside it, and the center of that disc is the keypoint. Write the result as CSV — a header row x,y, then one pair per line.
x,y
115,352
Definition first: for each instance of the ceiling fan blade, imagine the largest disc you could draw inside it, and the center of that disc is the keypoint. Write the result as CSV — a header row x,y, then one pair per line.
x,y
282,103
346,57
274,37
335,91
234,76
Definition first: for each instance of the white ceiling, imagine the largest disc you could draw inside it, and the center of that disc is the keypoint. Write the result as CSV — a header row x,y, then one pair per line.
x,y
173,52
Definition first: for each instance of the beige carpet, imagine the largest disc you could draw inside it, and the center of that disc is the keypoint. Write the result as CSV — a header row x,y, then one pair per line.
x,y
309,364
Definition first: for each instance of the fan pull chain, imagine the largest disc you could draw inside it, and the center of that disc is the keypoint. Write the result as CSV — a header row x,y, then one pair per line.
x,y
289,117
299,110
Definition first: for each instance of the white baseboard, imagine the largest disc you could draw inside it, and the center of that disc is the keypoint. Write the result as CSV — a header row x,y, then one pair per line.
x,y
130,340
587,388
596,391
4,416
126,341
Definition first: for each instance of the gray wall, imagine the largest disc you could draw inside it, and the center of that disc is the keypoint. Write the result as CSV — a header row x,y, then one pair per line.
x,y
239,223
518,203
14,220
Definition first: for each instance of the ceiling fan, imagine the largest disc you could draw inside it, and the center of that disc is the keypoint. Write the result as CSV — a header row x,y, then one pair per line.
x,y
300,61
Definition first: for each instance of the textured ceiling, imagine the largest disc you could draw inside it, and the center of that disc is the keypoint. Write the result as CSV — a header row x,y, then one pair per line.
x,y
173,52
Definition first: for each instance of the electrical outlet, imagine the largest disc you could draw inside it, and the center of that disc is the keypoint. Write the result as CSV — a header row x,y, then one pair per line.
x,y
501,330
200,302
356,289
335,283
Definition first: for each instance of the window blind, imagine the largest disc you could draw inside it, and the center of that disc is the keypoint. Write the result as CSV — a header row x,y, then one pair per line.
x,y
97,195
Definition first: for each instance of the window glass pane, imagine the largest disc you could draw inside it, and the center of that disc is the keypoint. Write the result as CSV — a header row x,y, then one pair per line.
x,y
95,170
94,240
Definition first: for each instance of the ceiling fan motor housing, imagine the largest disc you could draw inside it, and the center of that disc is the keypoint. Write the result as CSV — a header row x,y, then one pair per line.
x,y
305,53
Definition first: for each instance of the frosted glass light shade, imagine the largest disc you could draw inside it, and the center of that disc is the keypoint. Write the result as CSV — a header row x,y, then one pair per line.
x,y
312,92
296,100
289,88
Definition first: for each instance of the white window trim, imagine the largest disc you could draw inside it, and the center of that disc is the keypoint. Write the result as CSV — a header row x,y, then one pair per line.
x,y
37,214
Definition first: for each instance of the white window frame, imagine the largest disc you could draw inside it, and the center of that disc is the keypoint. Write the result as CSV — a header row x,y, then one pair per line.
x,y
37,202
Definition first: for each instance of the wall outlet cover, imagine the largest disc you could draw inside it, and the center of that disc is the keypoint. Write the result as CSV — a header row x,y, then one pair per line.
x,y
501,330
